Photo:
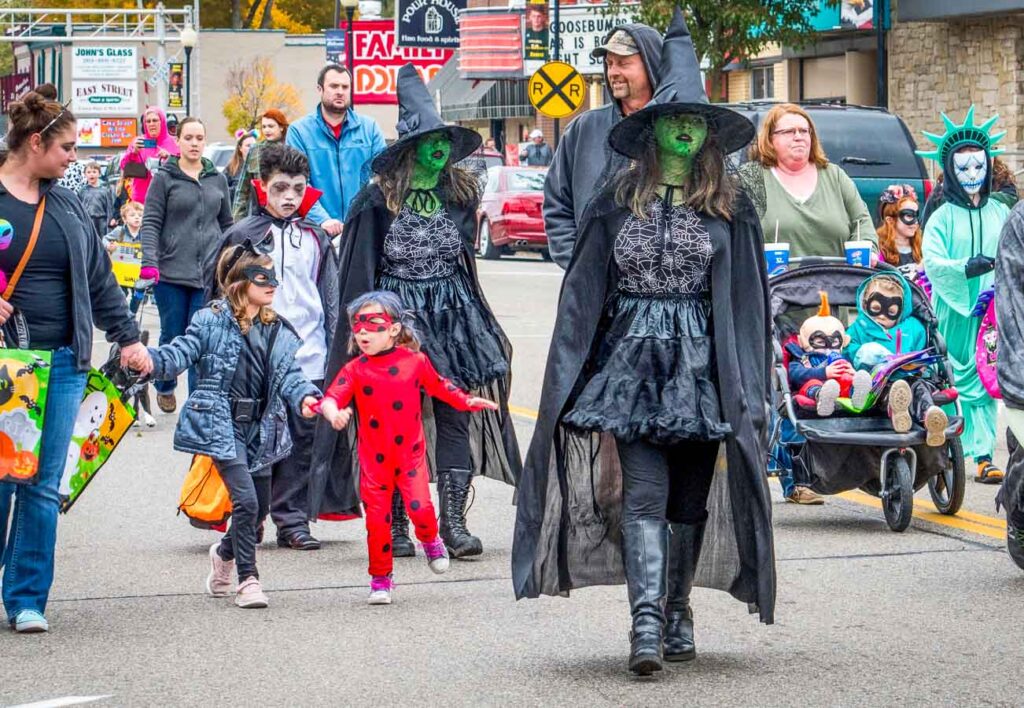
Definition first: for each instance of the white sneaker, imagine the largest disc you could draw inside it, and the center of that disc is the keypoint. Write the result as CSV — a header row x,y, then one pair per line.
x,y
860,389
148,420
250,595
218,582
827,395
380,590
899,406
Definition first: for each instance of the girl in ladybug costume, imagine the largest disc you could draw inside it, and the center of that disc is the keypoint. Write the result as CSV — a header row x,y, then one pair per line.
x,y
385,382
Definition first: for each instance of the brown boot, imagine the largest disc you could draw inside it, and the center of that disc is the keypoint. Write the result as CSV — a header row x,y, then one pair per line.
x,y
167,402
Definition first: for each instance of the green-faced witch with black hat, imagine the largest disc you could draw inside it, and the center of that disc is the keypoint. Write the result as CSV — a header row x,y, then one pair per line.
x,y
650,443
411,231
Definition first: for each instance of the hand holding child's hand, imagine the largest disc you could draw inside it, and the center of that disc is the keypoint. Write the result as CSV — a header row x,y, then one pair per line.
x,y
307,407
838,368
339,419
477,404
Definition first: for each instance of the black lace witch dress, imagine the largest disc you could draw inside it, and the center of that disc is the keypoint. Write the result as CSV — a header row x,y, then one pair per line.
x,y
652,374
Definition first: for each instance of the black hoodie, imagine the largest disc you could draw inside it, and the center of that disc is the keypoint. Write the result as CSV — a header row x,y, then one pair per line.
x,y
583,155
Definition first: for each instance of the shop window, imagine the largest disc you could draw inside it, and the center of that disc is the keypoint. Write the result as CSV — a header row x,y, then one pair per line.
x,y
762,83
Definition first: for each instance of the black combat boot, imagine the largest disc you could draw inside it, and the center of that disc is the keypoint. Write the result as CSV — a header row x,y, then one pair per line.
x,y
683,552
401,545
644,547
452,491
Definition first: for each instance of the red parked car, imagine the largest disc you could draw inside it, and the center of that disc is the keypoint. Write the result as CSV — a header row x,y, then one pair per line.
x,y
510,217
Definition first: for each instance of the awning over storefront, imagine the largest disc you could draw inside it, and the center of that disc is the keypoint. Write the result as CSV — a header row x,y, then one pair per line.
x,y
480,99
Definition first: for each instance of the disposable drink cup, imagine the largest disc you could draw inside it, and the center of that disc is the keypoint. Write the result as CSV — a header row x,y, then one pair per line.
x,y
776,256
858,253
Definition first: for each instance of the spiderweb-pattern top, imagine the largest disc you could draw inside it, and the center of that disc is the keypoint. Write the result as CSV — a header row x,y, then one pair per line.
x,y
421,247
659,257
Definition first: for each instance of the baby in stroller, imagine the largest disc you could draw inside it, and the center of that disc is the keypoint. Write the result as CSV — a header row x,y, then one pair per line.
x,y
819,372
886,326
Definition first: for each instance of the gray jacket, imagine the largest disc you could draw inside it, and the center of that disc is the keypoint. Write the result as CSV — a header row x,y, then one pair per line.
x,y
583,156
184,223
96,298
212,343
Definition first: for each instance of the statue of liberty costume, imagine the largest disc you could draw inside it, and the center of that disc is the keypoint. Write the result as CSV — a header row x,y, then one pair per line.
x,y
960,243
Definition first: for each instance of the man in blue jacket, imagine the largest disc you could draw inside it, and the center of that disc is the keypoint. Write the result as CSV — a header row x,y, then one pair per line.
x,y
339,143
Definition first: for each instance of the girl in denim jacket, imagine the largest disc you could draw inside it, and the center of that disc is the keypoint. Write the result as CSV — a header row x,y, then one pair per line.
x,y
245,359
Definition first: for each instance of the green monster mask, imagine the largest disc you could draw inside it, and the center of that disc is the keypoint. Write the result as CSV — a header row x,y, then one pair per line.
x,y
432,153
679,138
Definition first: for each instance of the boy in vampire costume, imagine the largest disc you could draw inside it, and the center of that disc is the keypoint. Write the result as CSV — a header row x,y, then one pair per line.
x,y
961,240
308,297
660,355
411,232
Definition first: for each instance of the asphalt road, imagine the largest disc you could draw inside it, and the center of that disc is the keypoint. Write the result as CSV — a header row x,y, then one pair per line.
x,y
865,616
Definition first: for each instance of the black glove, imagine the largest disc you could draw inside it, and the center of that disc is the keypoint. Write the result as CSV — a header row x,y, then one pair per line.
x,y
979,265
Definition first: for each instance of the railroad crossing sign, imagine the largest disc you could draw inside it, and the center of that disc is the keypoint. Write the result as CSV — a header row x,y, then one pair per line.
x,y
556,89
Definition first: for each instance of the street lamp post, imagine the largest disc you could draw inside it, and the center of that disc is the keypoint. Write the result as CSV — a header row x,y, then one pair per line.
x,y
350,10
189,39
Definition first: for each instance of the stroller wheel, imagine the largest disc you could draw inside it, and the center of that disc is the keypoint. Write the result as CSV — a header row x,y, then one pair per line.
x,y
948,486
898,495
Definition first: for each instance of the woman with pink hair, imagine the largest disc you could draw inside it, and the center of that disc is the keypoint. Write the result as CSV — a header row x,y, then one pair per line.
x,y
156,144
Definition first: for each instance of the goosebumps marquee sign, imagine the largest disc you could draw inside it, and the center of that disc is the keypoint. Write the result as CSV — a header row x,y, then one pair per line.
x,y
378,58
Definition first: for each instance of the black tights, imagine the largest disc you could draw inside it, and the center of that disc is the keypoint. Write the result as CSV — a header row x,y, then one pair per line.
x,y
667,481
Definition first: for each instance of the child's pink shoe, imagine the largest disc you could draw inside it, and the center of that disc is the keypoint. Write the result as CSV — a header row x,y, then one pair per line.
x,y
437,555
380,590
218,582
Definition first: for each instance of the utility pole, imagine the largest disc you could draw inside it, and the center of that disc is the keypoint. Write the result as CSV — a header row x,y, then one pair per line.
x,y
881,58
161,53
556,34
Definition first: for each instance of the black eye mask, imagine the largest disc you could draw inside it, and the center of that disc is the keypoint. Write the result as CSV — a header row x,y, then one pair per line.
x,y
823,340
878,305
263,277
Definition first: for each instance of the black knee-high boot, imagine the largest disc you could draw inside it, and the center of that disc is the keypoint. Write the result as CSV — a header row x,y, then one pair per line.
x,y
452,492
644,550
683,553
401,545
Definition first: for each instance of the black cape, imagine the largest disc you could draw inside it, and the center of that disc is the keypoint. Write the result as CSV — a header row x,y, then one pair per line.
x,y
495,451
568,524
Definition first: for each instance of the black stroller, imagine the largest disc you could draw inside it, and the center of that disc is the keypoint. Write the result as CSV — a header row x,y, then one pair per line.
x,y
838,454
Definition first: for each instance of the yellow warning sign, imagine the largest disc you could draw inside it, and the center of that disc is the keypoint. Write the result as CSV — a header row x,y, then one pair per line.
x,y
557,89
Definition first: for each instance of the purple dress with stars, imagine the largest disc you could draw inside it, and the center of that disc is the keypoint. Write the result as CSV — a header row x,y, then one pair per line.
x,y
651,374
420,263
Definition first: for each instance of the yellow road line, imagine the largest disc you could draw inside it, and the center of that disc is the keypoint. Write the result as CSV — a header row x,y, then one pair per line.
x,y
990,526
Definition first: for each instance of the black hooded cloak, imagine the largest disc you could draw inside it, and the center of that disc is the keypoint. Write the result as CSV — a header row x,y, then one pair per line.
x,y
568,524
495,451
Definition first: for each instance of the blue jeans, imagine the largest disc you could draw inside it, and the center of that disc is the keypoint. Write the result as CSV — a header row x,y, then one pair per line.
x,y
784,459
177,304
27,549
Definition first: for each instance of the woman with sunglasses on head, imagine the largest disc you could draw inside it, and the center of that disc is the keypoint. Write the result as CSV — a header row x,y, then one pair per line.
x,y
900,235
55,278
188,209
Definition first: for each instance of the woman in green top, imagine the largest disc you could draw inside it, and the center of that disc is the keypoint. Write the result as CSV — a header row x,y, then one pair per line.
x,y
812,205
808,202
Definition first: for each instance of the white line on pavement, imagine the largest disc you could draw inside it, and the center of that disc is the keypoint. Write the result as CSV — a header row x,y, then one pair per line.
x,y
520,273
65,701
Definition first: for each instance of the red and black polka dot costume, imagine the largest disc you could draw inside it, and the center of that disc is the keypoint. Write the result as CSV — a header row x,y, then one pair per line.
x,y
387,391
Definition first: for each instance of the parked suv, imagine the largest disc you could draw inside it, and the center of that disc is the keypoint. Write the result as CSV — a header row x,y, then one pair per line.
x,y
872,145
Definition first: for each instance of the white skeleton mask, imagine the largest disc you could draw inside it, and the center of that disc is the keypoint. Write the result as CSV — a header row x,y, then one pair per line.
x,y
971,170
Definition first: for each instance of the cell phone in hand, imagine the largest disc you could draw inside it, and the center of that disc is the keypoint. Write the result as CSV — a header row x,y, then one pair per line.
x,y
148,143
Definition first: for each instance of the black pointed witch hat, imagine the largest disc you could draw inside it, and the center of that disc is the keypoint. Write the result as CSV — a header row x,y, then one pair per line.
x,y
417,116
681,91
